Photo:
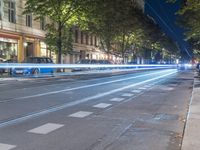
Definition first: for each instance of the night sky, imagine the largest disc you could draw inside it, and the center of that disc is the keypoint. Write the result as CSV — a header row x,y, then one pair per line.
x,y
164,14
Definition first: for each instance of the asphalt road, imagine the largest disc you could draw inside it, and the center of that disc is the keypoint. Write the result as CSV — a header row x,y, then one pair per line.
x,y
137,111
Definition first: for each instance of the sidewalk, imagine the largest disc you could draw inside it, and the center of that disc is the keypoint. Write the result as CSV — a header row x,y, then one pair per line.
x,y
191,139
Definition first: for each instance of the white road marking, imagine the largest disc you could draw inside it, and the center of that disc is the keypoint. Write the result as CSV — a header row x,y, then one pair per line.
x,y
142,88
46,128
102,105
81,114
6,146
127,94
66,105
147,86
117,99
92,85
136,91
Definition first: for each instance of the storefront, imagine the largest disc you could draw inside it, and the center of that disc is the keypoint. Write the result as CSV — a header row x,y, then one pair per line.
x,y
8,49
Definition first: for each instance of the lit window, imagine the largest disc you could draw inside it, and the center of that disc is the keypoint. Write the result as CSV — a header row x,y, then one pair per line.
x,y
11,11
29,20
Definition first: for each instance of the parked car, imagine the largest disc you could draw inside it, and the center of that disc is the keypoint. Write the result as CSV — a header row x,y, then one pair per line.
x,y
1,69
35,70
90,61
198,67
93,61
84,61
6,70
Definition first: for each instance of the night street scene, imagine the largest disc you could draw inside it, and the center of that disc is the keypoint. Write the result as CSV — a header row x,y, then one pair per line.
x,y
99,75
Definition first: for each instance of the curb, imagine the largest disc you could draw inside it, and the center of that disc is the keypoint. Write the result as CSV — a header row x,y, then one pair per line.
x,y
191,138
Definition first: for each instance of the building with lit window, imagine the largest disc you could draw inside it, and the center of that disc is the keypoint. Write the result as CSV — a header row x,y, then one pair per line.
x,y
85,46
20,35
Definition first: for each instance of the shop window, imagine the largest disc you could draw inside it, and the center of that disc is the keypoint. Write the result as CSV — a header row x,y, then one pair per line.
x,y
8,50
76,36
43,49
42,23
11,11
29,20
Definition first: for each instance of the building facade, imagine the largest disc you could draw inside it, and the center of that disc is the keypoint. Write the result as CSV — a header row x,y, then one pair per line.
x,y
20,35
85,46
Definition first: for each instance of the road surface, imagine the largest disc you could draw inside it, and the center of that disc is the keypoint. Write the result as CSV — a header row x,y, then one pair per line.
x,y
136,111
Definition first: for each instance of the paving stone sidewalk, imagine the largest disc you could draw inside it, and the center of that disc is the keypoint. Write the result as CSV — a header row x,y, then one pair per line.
x,y
191,139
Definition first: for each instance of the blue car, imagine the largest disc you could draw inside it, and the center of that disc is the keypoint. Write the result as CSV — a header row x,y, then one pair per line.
x,y
35,71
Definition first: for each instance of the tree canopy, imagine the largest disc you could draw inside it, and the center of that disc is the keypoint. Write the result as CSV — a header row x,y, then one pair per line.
x,y
189,20
62,14
121,26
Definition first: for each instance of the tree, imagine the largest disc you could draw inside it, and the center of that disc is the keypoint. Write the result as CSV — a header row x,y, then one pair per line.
x,y
189,15
62,15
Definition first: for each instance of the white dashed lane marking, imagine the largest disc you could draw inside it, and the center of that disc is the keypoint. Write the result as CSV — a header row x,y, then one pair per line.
x,y
6,146
81,114
142,88
46,128
147,86
127,94
117,99
136,91
102,105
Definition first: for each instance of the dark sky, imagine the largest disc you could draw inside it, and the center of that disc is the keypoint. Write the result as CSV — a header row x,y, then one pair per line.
x,y
164,15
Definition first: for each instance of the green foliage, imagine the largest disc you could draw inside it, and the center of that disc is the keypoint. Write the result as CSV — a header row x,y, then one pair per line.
x,y
52,38
189,19
120,25
62,14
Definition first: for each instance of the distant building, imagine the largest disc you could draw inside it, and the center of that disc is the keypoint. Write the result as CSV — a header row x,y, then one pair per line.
x,y
85,46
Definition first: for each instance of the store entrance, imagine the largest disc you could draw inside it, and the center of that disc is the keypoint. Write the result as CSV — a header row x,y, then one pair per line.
x,y
29,50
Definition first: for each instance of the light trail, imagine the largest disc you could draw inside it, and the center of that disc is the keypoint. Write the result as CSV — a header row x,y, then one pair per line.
x,y
71,66
87,86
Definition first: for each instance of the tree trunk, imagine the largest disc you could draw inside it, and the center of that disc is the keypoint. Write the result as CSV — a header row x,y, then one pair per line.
x,y
59,42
